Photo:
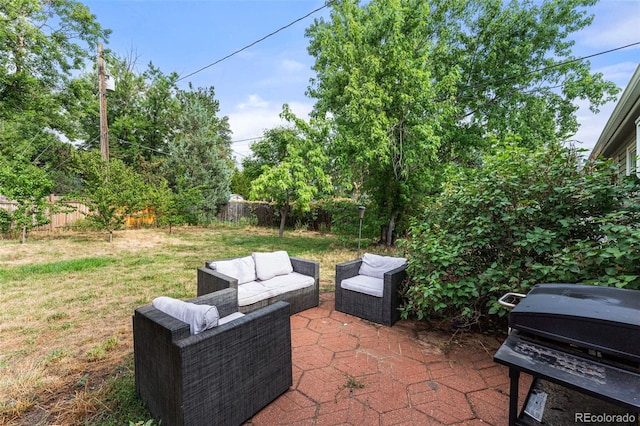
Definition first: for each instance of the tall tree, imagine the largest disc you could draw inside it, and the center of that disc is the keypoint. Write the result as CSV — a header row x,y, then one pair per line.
x,y
414,84
292,161
200,154
41,44
375,78
142,112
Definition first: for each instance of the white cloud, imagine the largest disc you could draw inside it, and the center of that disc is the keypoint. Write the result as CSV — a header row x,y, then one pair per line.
x,y
619,73
591,124
253,101
249,120
615,25
291,66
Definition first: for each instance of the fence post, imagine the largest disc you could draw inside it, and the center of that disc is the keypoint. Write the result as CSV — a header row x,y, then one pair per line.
x,y
51,212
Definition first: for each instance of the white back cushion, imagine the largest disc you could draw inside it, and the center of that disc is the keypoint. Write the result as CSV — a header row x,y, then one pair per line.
x,y
199,317
374,265
243,268
269,265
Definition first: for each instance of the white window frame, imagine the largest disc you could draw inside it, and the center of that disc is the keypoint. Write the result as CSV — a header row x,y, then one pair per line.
x,y
631,159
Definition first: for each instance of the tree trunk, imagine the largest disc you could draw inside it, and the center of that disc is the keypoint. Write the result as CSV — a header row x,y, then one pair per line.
x,y
283,218
110,235
23,237
387,232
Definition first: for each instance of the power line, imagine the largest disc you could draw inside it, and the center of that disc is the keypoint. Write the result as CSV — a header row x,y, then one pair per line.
x,y
138,145
239,153
524,74
539,70
248,139
257,41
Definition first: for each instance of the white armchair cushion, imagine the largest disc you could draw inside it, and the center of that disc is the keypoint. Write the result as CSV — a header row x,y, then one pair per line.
x,y
364,284
243,268
374,265
199,317
269,265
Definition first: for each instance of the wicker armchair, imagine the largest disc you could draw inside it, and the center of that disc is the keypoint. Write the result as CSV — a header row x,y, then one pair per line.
x,y
381,310
221,376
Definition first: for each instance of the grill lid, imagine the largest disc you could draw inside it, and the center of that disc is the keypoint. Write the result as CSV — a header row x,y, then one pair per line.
x,y
605,319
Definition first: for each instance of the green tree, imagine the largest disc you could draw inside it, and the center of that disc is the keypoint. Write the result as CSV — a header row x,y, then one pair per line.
x,y
29,187
519,73
111,190
141,112
240,183
292,166
173,208
41,44
200,154
375,78
267,152
413,85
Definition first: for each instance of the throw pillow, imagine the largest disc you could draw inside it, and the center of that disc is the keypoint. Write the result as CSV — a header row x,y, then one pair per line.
x,y
269,265
243,268
199,317
374,265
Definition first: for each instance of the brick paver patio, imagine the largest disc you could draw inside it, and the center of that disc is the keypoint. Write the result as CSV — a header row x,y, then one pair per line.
x,y
347,371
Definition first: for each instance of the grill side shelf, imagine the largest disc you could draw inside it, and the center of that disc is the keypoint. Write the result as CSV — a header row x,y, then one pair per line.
x,y
599,380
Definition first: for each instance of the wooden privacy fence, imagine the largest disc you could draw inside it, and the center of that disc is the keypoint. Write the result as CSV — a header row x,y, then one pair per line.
x,y
264,214
73,211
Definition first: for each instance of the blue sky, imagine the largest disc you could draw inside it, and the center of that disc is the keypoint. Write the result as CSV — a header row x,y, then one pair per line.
x,y
184,36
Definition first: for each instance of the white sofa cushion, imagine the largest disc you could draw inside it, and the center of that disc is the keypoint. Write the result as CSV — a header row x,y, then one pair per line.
x,y
243,268
256,291
269,265
364,284
252,292
374,265
199,317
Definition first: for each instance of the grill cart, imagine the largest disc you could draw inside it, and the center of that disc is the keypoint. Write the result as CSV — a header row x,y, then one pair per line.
x,y
581,345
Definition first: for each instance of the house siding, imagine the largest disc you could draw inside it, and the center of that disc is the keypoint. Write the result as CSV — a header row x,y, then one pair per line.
x,y
620,139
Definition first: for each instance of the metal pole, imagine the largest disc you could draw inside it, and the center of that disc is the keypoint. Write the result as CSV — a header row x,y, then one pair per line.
x,y
104,129
361,212
359,234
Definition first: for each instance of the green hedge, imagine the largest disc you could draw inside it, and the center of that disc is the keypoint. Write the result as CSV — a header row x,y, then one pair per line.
x,y
522,218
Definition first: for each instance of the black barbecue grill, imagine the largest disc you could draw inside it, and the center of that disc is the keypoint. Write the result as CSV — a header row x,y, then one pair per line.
x,y
574,338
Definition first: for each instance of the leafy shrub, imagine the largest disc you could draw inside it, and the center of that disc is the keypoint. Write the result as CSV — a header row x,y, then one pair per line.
x,y
5,220
522,218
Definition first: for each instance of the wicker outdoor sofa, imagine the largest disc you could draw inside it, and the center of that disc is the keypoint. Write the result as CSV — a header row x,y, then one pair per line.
x,y
220,376
264,278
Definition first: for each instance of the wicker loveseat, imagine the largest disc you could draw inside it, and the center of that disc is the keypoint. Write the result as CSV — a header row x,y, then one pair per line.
x,y
223,375
264,278
368,288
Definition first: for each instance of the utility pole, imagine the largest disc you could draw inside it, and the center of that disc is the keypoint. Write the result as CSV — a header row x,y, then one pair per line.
x,y
104,129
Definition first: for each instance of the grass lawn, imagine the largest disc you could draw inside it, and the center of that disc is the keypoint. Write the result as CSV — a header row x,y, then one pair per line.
x,y
66,301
